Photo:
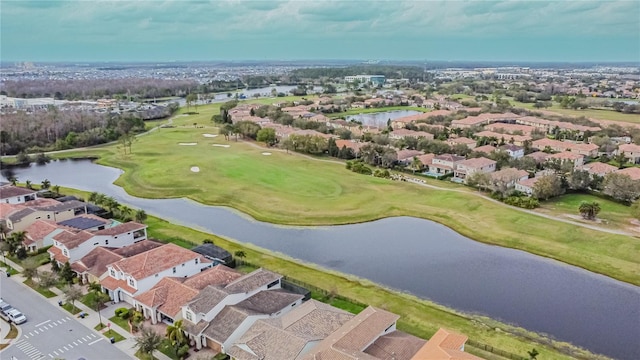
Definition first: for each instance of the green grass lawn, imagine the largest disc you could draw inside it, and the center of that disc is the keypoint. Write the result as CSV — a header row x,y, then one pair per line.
x,y
120,322
168,349
289,189
612,214
143,356
11,270
44,292
71,308
110,333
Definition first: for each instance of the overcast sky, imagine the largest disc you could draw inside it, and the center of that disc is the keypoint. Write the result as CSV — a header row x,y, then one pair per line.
x,y
187,30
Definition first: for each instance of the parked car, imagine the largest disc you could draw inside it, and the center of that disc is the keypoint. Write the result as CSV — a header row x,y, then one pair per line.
x,y
16,316
5,307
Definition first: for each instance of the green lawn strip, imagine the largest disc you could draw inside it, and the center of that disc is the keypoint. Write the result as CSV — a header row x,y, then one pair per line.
x,y
168,349
290,189
71,308
610,115
11,270
109,333
44,292
375,110
143,356
120,322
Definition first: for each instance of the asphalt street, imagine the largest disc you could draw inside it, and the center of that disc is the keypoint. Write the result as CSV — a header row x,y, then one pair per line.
x,y
51,332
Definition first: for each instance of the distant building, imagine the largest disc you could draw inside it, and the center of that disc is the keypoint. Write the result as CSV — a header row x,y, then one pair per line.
x,y
377,80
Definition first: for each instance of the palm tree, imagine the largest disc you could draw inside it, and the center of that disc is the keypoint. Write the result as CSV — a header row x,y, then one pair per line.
x,y
175,334
15,240
589,210
148,341
111,203
98,300
140,216
28,184
46,184
13,180
56,189
92,197
416,164
125,212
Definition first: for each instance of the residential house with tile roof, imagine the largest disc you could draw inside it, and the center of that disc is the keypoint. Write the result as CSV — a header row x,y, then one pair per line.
x,y
367,336
470,143
631,152
17,217
567,157
444,345
590,150
598,168
134,275
508,177
444,163
507,138
632,172
466,168
291,335
514,151
10,194
93,266
40,234
485,149
526,186
405,133
483,119
212,300
164,301
71,245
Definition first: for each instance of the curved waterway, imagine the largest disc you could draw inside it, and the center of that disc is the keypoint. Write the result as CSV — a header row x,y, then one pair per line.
x,y
416,256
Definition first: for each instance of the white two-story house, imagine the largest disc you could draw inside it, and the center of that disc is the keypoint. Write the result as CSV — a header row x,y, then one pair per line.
x,y
71,245
466,168
137,274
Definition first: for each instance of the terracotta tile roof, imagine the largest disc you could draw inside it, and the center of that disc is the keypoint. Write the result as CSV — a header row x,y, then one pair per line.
x,y
286,337
461,140
96,261
38,230
57,254
7,209
218,275
155,260
538,156
444,345
510,128
351,339
476,163
395,346
566,155
167,296
632,172
628,148
137,248
511,147
42,202
72,239
506,137
114,284
355,146
408,154
426,158
598,168
9,191
486,149
121,228
508,174
529,182
449,157
423,116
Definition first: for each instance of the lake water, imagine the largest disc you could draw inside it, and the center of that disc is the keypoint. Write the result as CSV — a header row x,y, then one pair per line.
x,y
416,256
380,119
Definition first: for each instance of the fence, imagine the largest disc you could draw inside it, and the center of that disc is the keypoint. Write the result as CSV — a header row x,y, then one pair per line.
x,y
499,352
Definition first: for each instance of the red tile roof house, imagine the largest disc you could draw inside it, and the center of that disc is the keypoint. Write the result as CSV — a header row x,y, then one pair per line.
x,y
632,172
510,128
576,159
93,266
466,168
444,164
349,144
136,274
219,315
20,216
40,234
526,186
514,151
483,119
164,301
291,335
590,150
444,345
404,133
402,122
10,194
470,143
405,157
631,152
599,169
485,149
517,139
71,245
509,176
370,335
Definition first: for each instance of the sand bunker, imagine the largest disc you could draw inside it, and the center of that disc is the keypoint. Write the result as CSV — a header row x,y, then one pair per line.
x,y
187,144
195,169
209,135
221,145
266,153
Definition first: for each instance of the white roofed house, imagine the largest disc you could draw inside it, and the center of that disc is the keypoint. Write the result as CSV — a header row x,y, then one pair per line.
x,y
134,275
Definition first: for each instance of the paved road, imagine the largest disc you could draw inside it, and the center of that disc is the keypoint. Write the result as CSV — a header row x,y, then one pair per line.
x,y
51,332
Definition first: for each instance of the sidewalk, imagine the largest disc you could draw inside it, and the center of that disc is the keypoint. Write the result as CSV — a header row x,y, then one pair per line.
x,y
91,321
